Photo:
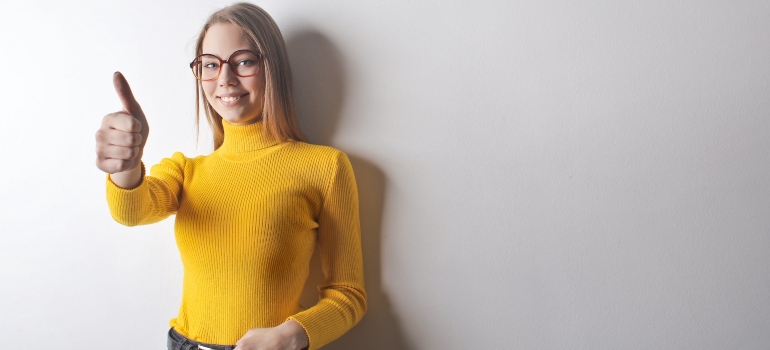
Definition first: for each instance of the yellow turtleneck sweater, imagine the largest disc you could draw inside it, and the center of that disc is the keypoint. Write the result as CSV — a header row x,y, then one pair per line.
x,y
248,217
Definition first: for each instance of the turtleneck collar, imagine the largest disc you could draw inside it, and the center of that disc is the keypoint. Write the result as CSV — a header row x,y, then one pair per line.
x,y
245,138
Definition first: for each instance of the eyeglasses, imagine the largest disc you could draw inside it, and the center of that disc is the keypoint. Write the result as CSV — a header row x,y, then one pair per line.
x,y
243,63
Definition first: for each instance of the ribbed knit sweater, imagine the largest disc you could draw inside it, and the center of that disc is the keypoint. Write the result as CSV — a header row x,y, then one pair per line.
x,y
248,217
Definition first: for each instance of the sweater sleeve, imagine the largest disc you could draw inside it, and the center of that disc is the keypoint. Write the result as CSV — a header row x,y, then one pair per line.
x,y
342,296
154,199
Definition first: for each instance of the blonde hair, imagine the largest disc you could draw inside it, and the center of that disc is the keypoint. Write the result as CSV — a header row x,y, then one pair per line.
x,y
262,33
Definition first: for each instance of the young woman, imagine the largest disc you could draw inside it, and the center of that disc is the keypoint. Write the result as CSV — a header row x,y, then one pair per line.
x,y
248,215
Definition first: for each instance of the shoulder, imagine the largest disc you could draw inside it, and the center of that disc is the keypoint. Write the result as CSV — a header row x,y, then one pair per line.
x,y
178,161
181,159
318,154
323,163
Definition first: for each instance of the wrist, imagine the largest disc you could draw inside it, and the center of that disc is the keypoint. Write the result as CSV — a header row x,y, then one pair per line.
x,y
295,331
129,179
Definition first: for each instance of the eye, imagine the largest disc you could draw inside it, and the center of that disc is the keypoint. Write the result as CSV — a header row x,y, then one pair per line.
x,y
246,63
210,65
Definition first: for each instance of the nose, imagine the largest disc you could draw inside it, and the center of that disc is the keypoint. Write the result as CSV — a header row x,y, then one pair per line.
x,y
227,76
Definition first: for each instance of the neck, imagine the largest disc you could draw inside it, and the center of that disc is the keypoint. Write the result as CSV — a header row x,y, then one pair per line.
x,y
245,138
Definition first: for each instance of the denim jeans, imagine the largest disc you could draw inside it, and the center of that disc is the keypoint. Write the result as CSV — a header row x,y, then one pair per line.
x,y
177,341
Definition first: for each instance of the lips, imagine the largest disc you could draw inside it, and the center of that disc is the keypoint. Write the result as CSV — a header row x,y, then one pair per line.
x,y
230,99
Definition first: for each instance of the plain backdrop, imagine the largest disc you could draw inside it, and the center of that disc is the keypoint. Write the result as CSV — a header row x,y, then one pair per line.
x,y
532,174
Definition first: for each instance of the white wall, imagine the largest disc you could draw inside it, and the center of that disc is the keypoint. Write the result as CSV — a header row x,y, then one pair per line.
x,y
533,174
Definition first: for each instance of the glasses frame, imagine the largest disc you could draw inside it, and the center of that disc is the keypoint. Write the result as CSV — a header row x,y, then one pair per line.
x,y
222,62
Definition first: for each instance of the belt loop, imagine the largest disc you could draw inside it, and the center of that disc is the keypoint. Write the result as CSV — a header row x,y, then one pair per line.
x,y
172,343
182,344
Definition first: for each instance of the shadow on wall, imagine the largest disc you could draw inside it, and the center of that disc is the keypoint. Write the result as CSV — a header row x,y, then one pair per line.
x,y
319,92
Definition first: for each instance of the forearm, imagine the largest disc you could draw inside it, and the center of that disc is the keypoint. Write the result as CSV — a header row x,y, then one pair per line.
x,y
150,198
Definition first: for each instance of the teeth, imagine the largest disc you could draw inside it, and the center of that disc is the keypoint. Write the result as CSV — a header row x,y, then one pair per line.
x,y
230,99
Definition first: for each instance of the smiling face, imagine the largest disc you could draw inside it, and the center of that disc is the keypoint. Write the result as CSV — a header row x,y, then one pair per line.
x,y
237,99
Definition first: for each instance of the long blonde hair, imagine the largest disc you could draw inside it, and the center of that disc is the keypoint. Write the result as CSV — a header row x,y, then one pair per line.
x,y
262,32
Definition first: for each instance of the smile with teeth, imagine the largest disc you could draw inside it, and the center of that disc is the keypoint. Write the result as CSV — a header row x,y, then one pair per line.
x,y
230,98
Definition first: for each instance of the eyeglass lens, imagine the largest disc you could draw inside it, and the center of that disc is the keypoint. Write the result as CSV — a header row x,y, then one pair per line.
x,y
243,63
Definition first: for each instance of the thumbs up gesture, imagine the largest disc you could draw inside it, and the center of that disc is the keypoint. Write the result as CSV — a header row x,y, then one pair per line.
x,y
121,138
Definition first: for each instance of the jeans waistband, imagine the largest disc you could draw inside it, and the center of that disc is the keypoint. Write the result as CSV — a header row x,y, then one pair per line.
x,y
177,341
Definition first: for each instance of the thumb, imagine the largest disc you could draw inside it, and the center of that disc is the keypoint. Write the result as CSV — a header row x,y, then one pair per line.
x,y
126,96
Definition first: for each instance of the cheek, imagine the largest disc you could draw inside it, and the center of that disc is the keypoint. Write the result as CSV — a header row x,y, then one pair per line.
x,y
208,90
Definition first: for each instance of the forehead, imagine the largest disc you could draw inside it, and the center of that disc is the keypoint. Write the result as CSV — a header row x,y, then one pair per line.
x,y
222,39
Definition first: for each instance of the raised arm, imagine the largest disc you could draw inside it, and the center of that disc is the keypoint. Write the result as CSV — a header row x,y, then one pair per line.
x,y
133,198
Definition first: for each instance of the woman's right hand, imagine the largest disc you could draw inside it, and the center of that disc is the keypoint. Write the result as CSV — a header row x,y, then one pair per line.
x,y
121,138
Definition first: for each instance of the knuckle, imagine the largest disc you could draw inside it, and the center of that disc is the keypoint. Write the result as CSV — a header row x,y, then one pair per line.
x,y
119,118
103,166
127,138
130,153
112,118
102,135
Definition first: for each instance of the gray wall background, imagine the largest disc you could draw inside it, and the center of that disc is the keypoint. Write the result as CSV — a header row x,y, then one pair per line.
x,y
532,174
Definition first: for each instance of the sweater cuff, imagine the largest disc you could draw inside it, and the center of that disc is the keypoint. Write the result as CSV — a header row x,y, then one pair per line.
x,y
125,203
325,322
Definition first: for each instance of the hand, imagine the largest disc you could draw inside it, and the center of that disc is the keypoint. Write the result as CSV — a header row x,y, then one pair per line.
x,y
288,336
121,138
